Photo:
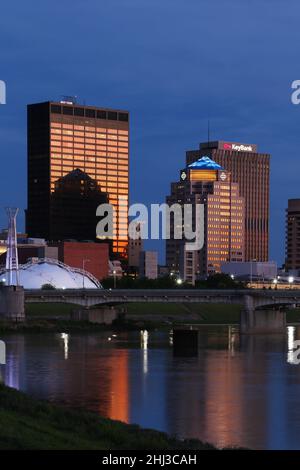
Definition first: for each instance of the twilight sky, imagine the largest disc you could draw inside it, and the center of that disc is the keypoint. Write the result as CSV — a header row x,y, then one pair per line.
x,y
172,64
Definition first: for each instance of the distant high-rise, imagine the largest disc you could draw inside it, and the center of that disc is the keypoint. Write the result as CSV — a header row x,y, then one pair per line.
x,y
205,182
135,245
292,250
148,264
65,136
251,170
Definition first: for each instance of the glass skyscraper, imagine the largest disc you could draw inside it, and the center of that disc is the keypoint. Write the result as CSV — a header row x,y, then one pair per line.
x,y
251,170
205,182
65,136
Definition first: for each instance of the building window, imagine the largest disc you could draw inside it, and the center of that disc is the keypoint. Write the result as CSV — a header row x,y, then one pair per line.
x,y
55,109
78,112
68,110
112,116
123,117
101,115
91,113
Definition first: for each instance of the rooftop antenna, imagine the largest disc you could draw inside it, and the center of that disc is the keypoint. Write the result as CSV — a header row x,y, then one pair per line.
x,y
12,263
208,132
208,122
68,99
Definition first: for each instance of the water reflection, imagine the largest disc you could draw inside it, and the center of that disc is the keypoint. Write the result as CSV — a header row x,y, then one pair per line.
x,y
65,338
144,346
242,391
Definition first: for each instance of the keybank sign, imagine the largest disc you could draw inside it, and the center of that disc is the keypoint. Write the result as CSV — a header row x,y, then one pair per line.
x,y
2,92
238,147
2,353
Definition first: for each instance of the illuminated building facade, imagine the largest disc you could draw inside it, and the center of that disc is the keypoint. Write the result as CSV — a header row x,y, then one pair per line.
x,y
65,136
251,170
292,261
206,182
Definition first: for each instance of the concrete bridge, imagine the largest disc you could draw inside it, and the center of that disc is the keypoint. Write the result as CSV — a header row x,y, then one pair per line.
x,y
263,311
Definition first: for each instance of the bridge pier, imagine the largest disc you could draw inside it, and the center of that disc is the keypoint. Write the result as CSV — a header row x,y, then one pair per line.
x,y
185,342
12,303
102,315
263,321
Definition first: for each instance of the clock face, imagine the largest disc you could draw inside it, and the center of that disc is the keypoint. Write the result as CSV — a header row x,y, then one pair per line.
x,y
223,176
183,175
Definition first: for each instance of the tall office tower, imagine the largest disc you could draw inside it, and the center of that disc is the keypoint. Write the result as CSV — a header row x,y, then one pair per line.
x,y
206,182
292,249
65,136
251,170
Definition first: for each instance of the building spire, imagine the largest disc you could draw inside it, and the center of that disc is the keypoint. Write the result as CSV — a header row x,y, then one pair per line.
x,y
12,264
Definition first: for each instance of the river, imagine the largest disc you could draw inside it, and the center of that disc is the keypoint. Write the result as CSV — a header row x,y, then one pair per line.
x,y
238,391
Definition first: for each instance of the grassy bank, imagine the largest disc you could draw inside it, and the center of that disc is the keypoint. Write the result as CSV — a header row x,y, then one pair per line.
x,y
56,317
196,313
203,313
26,423
184,312
58,310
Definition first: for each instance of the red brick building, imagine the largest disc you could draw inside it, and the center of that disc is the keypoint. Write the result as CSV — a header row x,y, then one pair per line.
x,y
92,257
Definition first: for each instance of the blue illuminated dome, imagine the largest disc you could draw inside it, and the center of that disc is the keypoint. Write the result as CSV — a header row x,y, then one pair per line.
x,y
205,163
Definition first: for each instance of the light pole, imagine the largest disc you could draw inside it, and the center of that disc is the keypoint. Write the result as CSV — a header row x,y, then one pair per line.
x,y
251,270
291,280
83,269
115,278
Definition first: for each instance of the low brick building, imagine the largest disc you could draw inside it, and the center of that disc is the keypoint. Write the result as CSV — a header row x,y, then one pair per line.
x,y
92,257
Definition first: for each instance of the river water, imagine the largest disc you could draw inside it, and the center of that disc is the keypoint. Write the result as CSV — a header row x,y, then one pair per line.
x,y
238,391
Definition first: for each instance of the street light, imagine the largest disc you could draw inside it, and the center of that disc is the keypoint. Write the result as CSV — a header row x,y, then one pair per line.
x,y
275,282
83,269
291,280
251,270
115,278
179,281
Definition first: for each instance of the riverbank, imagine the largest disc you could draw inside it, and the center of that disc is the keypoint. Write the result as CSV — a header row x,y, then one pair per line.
x,y
160,311
26,423
41,317
57,317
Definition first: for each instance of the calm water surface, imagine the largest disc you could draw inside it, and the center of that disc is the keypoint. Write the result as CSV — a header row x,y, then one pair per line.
x,y
243,392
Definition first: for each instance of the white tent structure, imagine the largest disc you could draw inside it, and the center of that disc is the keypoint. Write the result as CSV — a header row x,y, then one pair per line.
x,y
40,271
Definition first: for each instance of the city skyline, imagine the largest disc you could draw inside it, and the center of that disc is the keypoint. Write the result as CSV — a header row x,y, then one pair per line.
x,y
169,112
160,249
149,229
